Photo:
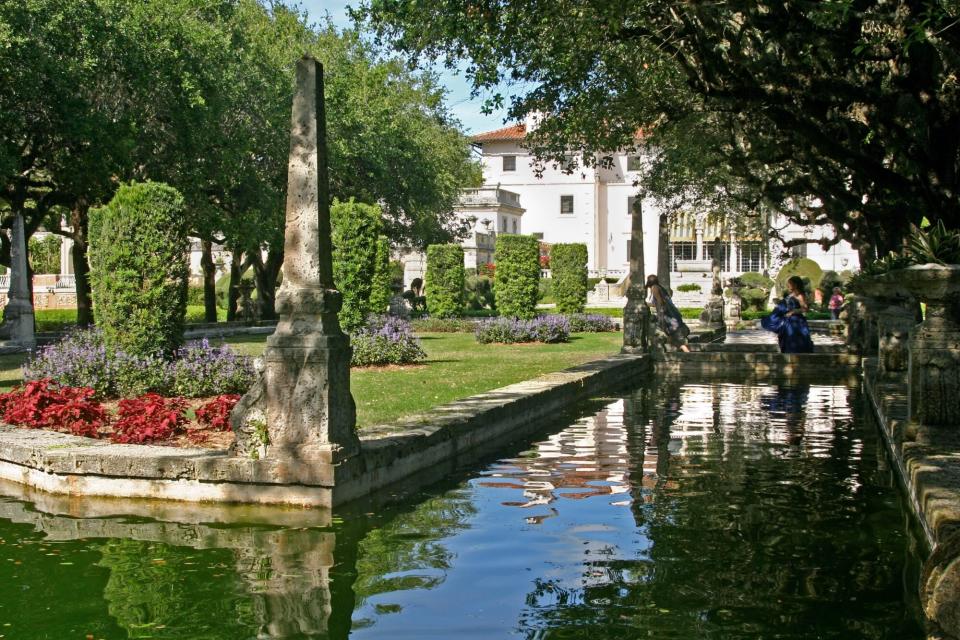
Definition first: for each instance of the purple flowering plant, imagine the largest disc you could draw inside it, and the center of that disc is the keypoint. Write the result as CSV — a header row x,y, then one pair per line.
x,y
548,329
590,323
385,340
82,359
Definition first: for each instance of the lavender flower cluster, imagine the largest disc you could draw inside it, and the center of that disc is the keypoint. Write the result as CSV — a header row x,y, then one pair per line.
x,y
385,340
590,323
82,360
548,329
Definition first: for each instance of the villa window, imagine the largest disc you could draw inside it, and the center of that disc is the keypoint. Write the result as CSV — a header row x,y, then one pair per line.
x,y
566,205
750,256
681,250
634,163
509,163
631,203
718,250
514,225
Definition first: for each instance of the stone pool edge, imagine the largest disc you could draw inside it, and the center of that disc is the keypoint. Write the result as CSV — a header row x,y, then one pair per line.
x,y
927,462
415,450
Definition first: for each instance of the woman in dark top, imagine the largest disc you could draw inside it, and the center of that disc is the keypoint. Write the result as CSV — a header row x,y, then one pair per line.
x,y
668,316
788,322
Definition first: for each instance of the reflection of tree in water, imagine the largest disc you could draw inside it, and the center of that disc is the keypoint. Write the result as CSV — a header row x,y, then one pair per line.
x,y
406,551
153,592
742,534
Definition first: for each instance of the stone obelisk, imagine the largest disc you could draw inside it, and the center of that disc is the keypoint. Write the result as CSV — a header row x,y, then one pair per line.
x,y
301,407
18,326
636,313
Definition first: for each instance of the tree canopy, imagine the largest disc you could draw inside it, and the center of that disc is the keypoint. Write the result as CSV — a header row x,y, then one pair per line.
x,y
196,93
831,111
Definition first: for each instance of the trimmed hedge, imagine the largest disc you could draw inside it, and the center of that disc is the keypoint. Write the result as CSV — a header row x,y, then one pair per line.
x,y
138,268
568,264
445,280
517,275
355,230
380,288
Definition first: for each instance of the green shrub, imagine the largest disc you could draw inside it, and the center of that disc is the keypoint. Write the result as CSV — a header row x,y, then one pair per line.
x,y
44,254
355,229
756,291
545,291
381,287
829,280
194,296
692,286
517,275
568,265
444,280
138,268
478,293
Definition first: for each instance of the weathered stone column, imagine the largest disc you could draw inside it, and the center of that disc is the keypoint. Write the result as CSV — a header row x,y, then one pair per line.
x,y
934,363
301,407
18,325
636,313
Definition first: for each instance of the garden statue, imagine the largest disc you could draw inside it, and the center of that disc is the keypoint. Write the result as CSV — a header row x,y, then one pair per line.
x,y
712,314
301,407
246,308
733,303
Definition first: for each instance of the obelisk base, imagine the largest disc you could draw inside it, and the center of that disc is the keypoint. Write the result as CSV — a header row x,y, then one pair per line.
x,y
301,406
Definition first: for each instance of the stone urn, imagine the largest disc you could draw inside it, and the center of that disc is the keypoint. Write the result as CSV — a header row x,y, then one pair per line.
x,y
934,345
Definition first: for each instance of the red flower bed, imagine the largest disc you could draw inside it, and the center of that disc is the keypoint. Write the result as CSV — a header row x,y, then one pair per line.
x,y
149,418
41,404
216,413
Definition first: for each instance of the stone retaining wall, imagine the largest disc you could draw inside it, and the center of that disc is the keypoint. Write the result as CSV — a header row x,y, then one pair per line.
x,y
927,459
421,447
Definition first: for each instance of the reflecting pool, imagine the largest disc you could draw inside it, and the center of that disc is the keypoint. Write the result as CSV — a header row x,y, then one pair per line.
x,y
675,511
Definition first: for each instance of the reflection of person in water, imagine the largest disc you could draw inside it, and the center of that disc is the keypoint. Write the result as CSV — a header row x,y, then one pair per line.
x,y
789,404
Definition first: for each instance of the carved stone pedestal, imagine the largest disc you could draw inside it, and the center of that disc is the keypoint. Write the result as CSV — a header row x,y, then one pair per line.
x,y
636,322
934,360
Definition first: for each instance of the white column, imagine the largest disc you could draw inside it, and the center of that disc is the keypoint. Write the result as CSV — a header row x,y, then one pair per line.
x,y
734,253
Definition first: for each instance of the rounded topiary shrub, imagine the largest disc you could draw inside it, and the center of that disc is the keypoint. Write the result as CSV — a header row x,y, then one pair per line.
x,y
807,269
517,275
382,277
568,264
138,268
445,280
355,228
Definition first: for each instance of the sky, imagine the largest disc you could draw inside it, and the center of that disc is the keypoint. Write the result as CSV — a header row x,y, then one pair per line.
x,y
464,108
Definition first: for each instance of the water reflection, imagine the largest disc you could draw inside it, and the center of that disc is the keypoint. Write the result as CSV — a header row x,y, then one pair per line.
x,y
680,511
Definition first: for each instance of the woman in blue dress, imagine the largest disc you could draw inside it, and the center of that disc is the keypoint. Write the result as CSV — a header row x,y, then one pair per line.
x,y
787,320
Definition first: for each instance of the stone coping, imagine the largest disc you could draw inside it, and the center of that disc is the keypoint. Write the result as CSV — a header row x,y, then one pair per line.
x,y
66,464
927,462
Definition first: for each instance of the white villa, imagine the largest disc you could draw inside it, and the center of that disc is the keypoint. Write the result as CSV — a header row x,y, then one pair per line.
x,y
592,205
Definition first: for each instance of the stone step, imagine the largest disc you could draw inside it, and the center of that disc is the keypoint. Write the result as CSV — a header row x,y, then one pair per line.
x,y
742,347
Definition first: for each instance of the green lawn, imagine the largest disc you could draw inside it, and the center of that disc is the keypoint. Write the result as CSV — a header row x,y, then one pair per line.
x,y
457,367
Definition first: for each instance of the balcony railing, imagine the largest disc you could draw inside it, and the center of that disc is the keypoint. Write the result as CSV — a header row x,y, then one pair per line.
x,y
489,196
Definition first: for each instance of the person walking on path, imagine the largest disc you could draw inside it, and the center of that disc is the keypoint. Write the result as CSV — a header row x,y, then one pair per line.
x,y
836,303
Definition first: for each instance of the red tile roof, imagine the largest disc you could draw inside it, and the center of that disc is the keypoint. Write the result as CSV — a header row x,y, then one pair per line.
x,y
519,132
513,132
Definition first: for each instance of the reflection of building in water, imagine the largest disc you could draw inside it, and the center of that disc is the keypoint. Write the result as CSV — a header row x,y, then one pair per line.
x,y
589,458
769,413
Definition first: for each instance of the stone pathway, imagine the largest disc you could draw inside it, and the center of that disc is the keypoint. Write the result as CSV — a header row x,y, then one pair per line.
x,y
759,336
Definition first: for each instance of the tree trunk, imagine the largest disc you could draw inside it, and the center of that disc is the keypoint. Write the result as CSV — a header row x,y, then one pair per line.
x,y
233,292
265,276
209,281
81,268
663,252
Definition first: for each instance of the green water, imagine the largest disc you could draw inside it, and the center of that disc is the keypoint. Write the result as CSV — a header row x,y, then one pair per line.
x,y
683,511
